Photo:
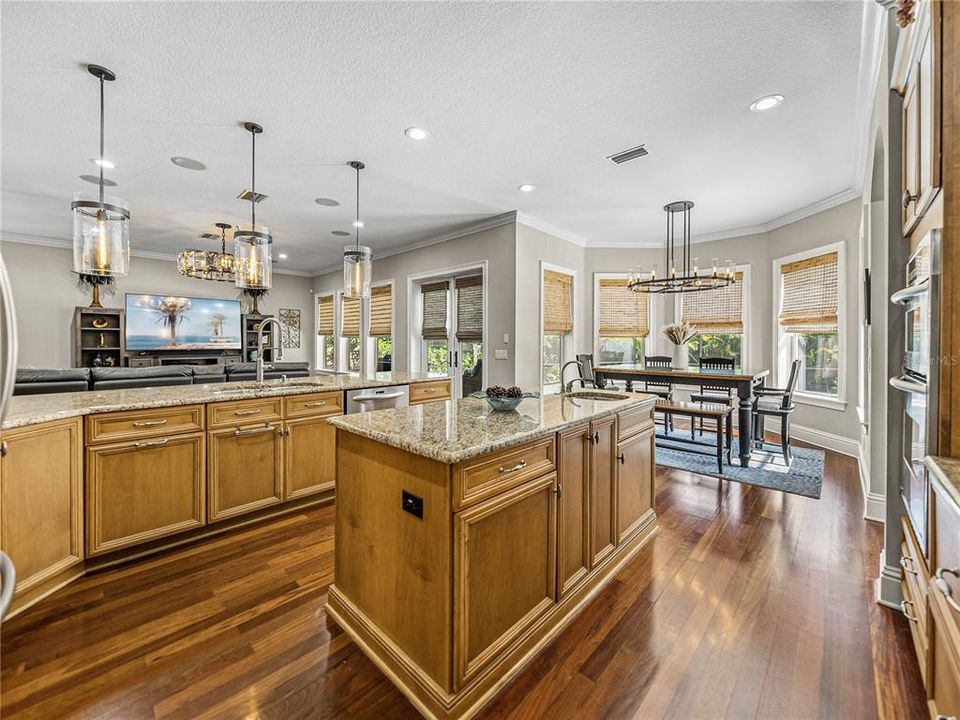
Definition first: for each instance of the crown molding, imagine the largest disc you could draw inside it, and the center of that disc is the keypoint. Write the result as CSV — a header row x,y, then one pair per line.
x,y
60,244
551,229
818,207
873,34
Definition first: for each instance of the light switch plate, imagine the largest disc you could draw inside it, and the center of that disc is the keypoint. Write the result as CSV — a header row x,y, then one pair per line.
x,y
501,354
506,338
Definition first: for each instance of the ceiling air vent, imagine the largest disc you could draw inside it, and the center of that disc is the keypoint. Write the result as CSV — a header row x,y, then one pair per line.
x,y
256,197
622,157
210,236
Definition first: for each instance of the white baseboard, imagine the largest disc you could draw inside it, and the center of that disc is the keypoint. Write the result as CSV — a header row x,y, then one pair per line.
x,y
888,590
874,504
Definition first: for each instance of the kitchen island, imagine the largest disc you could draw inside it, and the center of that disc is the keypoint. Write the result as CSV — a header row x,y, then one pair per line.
x,y
467,539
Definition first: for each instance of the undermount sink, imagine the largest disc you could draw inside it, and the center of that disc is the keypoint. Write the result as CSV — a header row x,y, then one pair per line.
x,y
267,385
591,395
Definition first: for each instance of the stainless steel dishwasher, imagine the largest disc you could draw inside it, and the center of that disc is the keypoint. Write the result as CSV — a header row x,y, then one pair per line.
x,y
377,398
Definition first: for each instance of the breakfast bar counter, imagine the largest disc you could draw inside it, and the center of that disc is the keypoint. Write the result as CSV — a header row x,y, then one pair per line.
x,y
468,538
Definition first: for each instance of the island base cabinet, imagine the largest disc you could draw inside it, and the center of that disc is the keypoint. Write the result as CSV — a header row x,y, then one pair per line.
x,y
142,490
603,477
573,519
634,482
244,470
504,570
310,457
41,514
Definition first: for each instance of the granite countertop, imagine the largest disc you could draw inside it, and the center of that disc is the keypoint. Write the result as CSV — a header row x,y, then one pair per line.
x,y
457,430
32,409
945,471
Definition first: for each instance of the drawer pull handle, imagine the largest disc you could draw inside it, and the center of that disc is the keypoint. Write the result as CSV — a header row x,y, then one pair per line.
x,y
152,443
4,449
254,431
596,438
254,411
944,588
946,717
903,609
904,559
519,466
149,423
621,458
316,403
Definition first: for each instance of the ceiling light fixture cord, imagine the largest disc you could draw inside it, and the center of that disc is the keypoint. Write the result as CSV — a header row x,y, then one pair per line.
x,y
253,182
357,223
101,140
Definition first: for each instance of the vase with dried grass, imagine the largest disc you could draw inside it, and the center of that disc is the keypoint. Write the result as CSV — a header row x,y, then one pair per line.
x,y
679,334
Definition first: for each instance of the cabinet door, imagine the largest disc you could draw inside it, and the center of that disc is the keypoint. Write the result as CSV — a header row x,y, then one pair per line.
x,y
143,490
504,572
911,152
573,521
309,457
943,684
603,498
244,470
41,521
634,482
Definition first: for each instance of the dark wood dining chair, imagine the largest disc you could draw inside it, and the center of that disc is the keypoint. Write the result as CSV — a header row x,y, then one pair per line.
x,y
663,390
585,374
713,393
776,402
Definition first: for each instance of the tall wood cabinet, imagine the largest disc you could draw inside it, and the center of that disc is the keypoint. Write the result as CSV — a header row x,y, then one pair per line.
x,y
603,488
573,514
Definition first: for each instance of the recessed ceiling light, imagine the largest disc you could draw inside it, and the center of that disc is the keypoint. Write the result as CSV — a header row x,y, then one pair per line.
x,y
187,163
358,223
326,202
95,179
767,102
282,256
340,233
103,162
416,133
526,187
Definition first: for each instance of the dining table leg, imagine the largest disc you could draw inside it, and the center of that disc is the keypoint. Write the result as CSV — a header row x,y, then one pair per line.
x,y
745,420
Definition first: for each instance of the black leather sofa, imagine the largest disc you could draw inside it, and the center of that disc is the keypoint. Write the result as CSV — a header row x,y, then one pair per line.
x,y
102,378
242,372
39,382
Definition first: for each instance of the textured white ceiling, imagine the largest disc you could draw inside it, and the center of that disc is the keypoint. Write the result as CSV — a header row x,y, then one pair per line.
x,y
510,92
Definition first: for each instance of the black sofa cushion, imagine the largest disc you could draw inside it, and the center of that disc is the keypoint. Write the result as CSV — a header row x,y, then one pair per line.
x,y
271,370
206,374
37,381
127,377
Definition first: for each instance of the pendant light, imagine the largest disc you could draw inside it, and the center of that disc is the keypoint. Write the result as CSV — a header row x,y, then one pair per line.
x,y
253,244
209,264
101,225
681,274
357,258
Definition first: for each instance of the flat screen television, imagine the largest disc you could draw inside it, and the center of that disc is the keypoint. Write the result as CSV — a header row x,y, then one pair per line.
x,y
170,322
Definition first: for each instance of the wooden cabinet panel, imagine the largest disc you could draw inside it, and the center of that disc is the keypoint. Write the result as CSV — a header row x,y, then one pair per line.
x,y
504,572
911,152
309,457
244,412
603,477
41,514
490,474
313,404
244,470
945,551
573,519
634,421
943,680
143,490
141,424
634,482
429,391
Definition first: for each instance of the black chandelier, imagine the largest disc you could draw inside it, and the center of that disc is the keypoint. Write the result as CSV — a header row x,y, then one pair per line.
x,y
687,277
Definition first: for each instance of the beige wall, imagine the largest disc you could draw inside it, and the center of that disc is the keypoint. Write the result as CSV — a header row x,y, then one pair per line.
x,y
45,293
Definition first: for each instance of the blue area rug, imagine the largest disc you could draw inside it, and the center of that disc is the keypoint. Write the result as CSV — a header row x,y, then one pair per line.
x,y
767,466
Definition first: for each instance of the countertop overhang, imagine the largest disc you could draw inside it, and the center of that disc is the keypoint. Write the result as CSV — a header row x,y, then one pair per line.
x,y
32,409
457,430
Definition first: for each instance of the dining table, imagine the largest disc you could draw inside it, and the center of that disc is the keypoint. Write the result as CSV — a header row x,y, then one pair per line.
x,y
743,381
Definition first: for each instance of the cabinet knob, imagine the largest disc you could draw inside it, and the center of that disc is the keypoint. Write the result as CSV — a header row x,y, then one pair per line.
x,y
907,198
596,438
621,458
4,449
558,490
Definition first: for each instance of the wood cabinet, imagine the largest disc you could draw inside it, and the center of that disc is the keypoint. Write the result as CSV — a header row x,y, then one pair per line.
x,y
573,517
603,488
488,475
309,457
634,481
143,424
244,470
432,391
41,501
142,490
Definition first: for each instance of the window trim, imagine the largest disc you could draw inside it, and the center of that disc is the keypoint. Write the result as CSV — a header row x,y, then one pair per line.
x,y
746,340
595,345
567,346
782,353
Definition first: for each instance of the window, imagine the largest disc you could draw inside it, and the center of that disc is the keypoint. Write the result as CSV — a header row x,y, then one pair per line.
x,y
718,316
381,326
350,331
433,328
326,340
557,326
809,323
622,320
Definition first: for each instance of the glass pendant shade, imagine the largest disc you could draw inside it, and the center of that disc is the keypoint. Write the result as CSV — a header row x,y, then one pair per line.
x,y
101,235
357,270
253,248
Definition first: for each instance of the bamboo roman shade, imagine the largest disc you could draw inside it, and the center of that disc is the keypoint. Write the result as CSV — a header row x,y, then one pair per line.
x,y
351,317
809,294
381,311
557,303
623,313
325,315
715,311
470,308
434,297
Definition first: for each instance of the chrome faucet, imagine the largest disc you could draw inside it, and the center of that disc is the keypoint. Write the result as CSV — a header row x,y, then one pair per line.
x,y
279,350
569,385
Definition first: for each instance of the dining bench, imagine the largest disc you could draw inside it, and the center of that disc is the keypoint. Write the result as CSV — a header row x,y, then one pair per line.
x,y
722,414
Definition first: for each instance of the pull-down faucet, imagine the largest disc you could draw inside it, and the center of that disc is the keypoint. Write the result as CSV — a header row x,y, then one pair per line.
x,y
260,348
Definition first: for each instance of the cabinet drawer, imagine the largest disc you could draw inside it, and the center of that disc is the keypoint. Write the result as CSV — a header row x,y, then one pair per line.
x,y
488,475
634,421
945,558
429,391
136,424
327,403
914,610
943,679
244,412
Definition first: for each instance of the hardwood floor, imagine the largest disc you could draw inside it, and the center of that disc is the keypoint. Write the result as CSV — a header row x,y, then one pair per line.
x,y
750,603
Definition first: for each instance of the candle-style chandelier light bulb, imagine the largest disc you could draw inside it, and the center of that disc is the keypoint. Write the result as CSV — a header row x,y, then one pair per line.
x,y
357,258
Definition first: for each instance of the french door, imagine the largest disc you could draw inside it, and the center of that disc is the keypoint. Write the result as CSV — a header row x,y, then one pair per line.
x,y
459,355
